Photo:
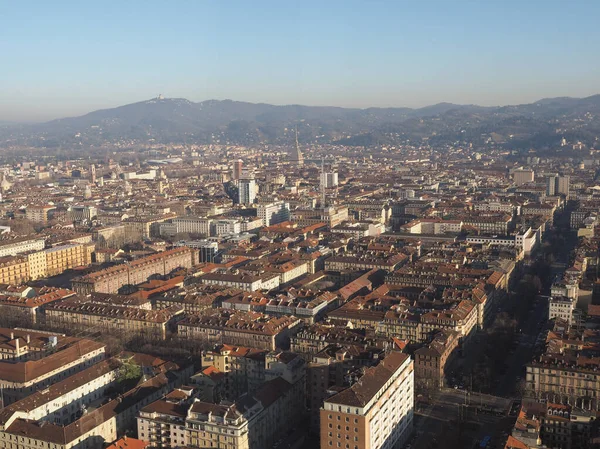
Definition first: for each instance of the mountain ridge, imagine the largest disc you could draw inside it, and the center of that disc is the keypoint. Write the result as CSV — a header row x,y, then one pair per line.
x,y
170,120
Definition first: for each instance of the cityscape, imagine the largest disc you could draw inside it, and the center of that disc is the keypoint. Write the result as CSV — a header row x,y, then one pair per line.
x,y
261,274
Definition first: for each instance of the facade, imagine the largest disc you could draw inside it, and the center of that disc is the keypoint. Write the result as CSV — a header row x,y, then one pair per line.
x,y
83,314
250,329
247,190
376,412
328,180
40,359
110,280
561,307
19,246
40,214
523,176
237,169
273,213
432,358
331,216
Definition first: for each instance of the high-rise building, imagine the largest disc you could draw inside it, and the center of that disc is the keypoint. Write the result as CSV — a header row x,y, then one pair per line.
x,y
551,185
376,411
247,190
273,213
563,185
93,174
523,176
237,169
329,180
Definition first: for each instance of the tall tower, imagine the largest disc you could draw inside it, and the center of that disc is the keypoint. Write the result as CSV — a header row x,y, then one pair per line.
x,y
297,157
237,169
93,174
323,183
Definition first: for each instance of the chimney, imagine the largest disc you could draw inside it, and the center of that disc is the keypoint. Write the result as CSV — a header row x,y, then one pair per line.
x,y
17,345
12,335
28,338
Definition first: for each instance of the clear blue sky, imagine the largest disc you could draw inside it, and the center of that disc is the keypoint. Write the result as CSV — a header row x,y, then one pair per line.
x,y
60,58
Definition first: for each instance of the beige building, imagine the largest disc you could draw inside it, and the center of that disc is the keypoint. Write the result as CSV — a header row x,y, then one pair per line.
x,y
375,412
82,314
251,329
110,280
39,214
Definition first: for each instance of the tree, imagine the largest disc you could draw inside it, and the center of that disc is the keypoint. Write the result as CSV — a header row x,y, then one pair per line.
x,y
129,370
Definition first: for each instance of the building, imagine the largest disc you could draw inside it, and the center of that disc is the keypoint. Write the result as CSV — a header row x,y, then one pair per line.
x,y
297,158
273,213
187,225
40,214
80,412
561,307
246,281
82,213
33,360
142,228
551,182
563,185
23,306
247,190
111,279
19,246
432,359
376,412
14,269
523,176
82,314
237,169
328,180
251,329
64,257
331,216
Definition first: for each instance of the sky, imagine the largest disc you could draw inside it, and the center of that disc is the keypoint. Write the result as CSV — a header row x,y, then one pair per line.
x,y
66,58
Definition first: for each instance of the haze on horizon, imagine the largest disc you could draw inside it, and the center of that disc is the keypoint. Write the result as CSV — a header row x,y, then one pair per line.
x,y
68,58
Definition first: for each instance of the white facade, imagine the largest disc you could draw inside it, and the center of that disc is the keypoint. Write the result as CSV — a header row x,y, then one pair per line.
x,y
247,191
273,213
561,307
329,180
14,248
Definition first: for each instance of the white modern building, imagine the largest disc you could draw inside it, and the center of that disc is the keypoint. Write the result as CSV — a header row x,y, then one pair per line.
x,y
273,213
247,190
561,307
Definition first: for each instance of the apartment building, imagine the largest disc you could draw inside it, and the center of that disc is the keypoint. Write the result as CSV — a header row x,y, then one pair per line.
x,y
64,257
331,216
14,269
18,246
110,280
40,214
245,281
432,358
273,213
254,421
366,261
561,307
78,313
34,360
250,329
78,412
26,308
376,412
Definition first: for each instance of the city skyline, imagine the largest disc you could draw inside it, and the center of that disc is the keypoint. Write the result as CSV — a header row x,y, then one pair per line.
x,y
65,61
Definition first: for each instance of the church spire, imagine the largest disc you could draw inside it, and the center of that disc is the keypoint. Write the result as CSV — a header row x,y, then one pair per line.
x,y
297,157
